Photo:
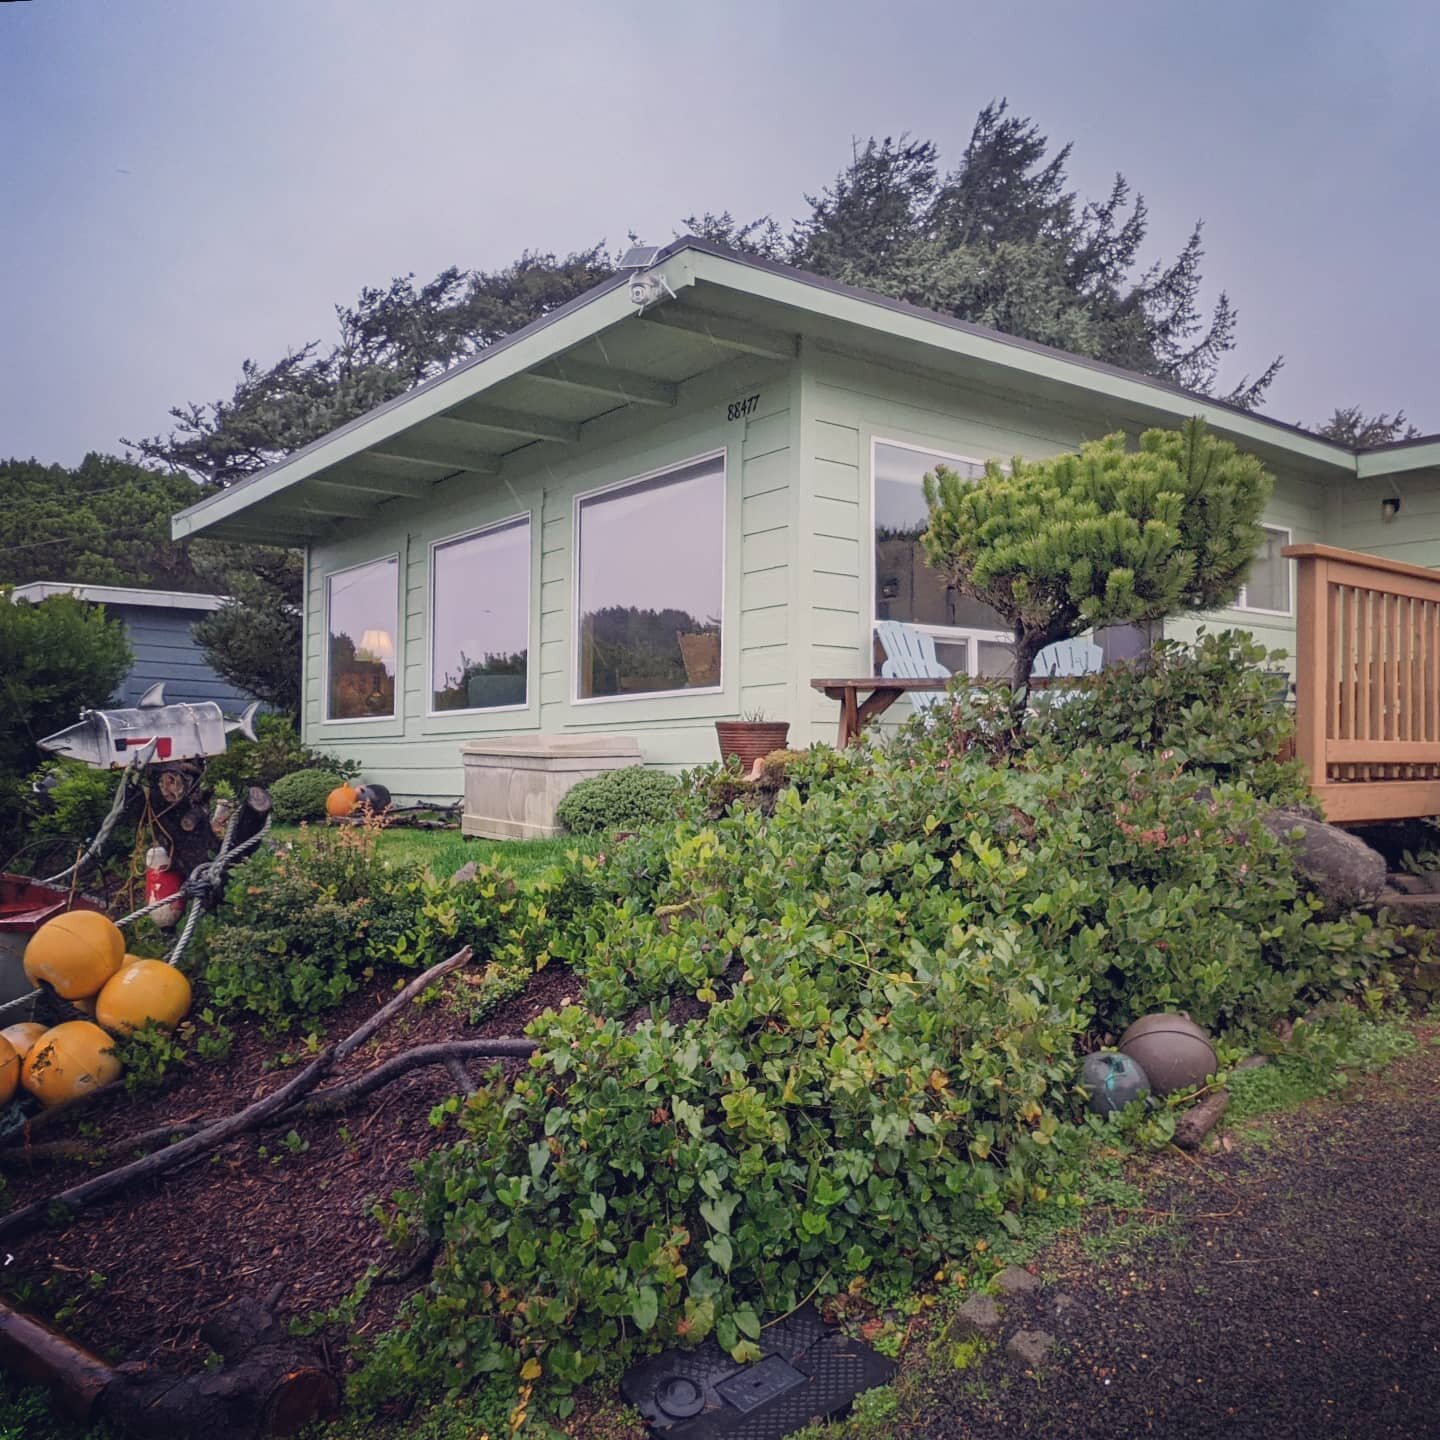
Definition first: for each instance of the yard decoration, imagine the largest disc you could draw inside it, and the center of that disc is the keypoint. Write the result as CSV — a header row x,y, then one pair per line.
x,y
143,990
23,1035
75,953
1174,1052
1112,1081
1104,536
9,1070
372,799
750,738
341,801
286,1104
69,1061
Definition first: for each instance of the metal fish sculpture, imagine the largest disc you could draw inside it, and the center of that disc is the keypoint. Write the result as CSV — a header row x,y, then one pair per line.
x,y
111,739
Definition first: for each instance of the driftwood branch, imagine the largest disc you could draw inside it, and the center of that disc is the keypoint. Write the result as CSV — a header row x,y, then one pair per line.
x,y
1197,1122
329,1101
89,1192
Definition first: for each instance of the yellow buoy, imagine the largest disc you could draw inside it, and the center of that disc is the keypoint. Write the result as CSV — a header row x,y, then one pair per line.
x,y
76,953
9,1070
69,1061
143,990
23,1035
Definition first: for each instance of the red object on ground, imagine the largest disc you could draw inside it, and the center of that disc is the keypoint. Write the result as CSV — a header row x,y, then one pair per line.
x,y
161,882
25,905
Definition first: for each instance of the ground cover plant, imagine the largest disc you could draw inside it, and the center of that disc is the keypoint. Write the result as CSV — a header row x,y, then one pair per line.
x,y
825,1048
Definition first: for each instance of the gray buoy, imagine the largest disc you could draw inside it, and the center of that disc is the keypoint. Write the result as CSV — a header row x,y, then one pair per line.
x,y
1113,1081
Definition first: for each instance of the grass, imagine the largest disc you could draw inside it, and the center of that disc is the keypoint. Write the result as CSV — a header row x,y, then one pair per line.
x,y
444,851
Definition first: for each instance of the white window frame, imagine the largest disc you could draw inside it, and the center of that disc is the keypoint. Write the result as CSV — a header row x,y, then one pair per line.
x,y
1242,600
951,633
630,481
394,715
439,544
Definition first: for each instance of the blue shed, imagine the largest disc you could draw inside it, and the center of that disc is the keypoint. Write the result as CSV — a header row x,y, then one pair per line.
x,y
158,626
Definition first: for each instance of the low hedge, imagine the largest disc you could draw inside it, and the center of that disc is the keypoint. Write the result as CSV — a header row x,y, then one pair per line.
x,y
301,795
618,800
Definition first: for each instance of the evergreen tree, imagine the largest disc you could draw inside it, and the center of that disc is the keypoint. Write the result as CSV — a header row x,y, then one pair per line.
x,y
1102,536
1351,426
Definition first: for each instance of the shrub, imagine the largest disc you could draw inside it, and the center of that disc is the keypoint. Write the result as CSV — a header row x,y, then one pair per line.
x,y
56,658
301,795
276,751
618,800
71,799
894,972
1217,706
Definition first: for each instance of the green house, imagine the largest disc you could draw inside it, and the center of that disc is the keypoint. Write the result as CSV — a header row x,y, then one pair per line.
x,y
689,492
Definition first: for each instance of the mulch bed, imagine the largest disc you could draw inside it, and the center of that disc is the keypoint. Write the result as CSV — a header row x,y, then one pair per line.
x,y
173,1251
1297,1293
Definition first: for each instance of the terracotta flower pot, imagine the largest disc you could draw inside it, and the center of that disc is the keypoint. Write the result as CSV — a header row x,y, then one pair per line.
x,y
750,740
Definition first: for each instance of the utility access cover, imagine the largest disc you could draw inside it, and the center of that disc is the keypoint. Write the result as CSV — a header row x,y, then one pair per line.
x,y
806,1372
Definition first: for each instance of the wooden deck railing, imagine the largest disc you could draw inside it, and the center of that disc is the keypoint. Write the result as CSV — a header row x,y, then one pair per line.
x,y
1367,706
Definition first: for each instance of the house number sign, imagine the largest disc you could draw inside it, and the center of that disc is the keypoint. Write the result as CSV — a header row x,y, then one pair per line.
x,y
742,409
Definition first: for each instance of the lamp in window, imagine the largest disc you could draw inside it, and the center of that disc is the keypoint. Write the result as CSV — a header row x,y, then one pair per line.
x,y
376,645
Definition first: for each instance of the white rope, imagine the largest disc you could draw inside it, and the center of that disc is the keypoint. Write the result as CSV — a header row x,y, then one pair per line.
x,y
117,808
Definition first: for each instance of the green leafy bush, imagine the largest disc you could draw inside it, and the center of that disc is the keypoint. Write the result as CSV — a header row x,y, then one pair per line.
x,y
56,657
276,751
618,800
301,926
76,801
302,795
888,979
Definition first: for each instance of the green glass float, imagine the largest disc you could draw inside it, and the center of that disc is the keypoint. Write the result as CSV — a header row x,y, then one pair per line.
x,y
1112,1081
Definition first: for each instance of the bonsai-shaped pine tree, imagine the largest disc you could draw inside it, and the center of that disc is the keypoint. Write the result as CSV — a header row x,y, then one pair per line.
x,y
1105,536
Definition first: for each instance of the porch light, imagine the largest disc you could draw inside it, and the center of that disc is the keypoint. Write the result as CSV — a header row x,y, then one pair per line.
x,y
1389,507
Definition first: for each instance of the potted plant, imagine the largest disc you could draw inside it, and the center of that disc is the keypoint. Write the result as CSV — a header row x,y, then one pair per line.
x,y
751,737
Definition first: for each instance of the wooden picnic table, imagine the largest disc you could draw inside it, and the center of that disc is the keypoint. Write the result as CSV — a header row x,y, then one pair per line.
x,y
883,692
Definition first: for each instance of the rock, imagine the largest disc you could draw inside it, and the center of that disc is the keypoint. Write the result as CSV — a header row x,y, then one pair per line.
x,y
1342,869
1419,910
1013,1280
1030,1347
1406,884
1253,1062
466,874
979,1315
1063,1303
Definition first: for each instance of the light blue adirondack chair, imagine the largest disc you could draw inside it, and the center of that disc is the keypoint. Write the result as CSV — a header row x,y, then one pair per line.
x,y
910,653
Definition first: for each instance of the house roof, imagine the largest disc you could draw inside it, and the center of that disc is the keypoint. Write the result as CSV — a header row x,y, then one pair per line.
x,y
636,340
38,590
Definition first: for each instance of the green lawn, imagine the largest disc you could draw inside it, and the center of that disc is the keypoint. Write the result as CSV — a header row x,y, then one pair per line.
x,y
445,851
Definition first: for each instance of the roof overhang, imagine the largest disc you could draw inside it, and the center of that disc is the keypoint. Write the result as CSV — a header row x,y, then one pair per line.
x,y
38,590
697,307
1419,454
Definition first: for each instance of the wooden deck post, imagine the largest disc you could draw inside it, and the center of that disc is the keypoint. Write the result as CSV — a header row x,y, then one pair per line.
x,y
1312,660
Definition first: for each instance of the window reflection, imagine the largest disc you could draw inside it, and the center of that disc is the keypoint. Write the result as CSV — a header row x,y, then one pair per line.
x,y
361,607
906,587
480,619
652,584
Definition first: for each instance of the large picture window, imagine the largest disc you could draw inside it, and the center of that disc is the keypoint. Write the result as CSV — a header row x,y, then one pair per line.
x,y
969,637
1267,586
361,620
480,619
651,587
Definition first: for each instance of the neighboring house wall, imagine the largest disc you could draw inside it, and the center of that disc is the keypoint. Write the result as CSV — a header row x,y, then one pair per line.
x,y
165,649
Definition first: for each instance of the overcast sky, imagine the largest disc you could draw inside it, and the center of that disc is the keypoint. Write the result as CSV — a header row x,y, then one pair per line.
x,y
184,183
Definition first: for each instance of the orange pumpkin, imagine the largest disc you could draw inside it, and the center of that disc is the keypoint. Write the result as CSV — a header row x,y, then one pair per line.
x,y
341,801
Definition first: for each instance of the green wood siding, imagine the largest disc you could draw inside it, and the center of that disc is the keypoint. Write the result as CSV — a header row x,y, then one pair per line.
x,y
418,754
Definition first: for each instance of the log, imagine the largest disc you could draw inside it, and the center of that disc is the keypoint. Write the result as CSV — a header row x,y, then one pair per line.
x,y
269,1385
89,1192
1197,1122
329,1101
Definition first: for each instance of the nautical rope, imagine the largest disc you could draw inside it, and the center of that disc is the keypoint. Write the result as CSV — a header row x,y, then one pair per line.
x,y
117,808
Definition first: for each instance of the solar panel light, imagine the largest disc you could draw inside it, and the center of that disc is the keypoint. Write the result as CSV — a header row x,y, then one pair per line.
x,y
639,257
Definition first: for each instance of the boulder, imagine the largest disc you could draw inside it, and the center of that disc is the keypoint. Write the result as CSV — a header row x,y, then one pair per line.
x,y
979,1315
1344,872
